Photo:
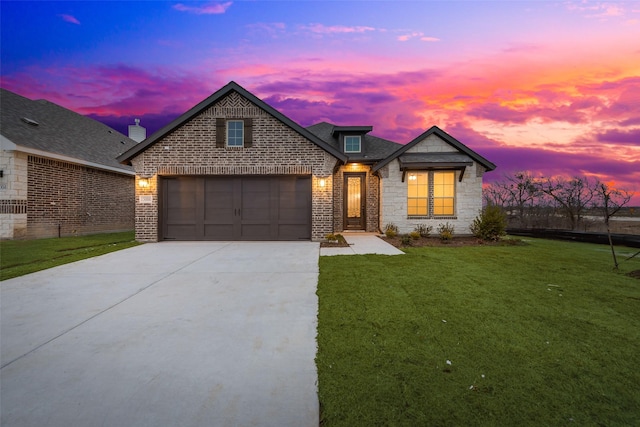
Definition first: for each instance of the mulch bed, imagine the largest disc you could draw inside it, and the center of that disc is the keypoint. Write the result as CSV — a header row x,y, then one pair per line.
x,y
342,244
455,242
432,241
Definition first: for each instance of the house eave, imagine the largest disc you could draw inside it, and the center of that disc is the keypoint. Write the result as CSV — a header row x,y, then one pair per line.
x,y
49,155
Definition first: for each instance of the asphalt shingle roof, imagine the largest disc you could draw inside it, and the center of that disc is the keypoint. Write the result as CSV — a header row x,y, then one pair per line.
x,y
373,148
48,127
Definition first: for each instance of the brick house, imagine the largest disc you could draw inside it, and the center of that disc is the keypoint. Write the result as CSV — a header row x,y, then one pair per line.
x,y
58,172
234,168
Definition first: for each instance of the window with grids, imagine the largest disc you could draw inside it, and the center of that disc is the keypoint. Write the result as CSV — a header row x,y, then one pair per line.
x,y
444,186
431,193
418,194
235,133
352,143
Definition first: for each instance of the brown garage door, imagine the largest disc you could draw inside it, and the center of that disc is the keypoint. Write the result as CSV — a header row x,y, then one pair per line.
x,y
236,208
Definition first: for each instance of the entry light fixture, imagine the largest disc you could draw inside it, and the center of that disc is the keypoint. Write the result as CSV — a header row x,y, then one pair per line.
x,y
143,182
322,182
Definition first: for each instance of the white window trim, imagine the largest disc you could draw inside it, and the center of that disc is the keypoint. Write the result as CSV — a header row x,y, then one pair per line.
x,y
227,134
359,144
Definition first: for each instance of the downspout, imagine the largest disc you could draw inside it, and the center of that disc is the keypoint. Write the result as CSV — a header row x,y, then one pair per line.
x,y
377,174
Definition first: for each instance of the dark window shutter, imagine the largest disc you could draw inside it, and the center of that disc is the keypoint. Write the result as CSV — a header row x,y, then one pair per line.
x,y
248,132
221,132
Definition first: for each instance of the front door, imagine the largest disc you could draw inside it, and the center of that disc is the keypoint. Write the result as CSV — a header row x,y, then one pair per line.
x,y
355,201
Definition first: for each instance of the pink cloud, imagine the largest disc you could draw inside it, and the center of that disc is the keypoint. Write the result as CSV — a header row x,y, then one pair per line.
x,y
69,18
400,106
334,29
271,28
616,136
416,35
597,9
213,8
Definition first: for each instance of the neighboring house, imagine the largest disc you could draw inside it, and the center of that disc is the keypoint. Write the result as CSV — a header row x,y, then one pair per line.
x,y
58,172
234,168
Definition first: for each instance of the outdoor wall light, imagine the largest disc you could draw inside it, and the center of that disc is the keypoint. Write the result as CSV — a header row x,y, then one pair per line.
x,y
322,182
143,182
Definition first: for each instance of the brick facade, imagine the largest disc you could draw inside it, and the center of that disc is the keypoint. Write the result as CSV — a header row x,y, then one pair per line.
x,y
372,192
468,193
191,150
67,199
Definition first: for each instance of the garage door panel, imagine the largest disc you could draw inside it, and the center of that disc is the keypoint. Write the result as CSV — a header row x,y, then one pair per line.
x,y
237,208
185,231
218,232
293,231
257,232
293,216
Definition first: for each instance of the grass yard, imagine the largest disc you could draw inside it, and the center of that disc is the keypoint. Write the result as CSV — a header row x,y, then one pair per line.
x,y
19,257
544,334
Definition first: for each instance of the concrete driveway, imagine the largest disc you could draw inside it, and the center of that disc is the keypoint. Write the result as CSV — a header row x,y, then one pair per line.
x,y
165,334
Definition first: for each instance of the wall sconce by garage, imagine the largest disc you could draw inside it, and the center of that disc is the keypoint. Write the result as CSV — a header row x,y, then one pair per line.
x,y
322,182
143,182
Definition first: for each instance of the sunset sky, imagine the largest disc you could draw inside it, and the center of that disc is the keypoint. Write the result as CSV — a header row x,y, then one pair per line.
x,y
545,86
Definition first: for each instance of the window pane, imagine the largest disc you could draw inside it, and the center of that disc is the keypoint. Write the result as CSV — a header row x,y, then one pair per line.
x,y
417,193
352,144
443,206
235,133
444,193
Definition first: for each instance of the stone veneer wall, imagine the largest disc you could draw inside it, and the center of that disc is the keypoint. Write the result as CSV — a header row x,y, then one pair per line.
x,y
468,203
373,197
191,150
13,195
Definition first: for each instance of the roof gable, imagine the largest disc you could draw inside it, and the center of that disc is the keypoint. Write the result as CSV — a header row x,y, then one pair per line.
x,y
434,130
44,128
126,157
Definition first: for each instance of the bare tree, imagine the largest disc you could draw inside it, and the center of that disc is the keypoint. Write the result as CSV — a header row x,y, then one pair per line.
x,y
573,196
522,191
610,200
495,194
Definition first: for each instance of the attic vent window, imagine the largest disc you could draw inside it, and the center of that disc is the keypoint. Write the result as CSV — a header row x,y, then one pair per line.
x,y
29,121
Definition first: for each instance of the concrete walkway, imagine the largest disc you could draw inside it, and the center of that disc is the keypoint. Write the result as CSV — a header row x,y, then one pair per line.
x,y
361,244
166,334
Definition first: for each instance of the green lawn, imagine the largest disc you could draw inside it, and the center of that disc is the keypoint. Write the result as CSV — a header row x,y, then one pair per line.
x,y
19,257
545,334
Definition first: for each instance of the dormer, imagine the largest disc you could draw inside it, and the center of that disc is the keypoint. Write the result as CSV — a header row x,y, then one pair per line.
x,y
351,138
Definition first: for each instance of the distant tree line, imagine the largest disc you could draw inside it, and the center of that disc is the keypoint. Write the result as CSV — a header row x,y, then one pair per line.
x,y
574,203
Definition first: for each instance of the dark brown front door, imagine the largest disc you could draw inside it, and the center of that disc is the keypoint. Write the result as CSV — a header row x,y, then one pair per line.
x,y
236,208
355,201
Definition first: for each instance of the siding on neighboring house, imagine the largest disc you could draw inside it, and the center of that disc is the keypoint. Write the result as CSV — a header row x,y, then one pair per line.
x,y
13,195
468,195
68,199
191,150
60,175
